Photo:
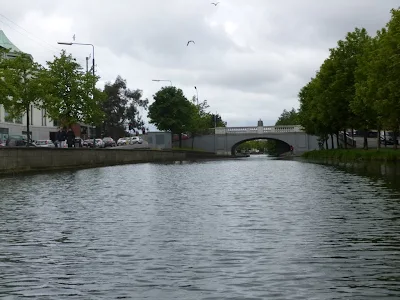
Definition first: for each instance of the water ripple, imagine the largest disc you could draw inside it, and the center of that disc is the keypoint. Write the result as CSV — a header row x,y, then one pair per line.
x,y
249,229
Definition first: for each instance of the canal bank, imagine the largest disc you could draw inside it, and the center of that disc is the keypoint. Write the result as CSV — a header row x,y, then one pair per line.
x,y
354,155
24,160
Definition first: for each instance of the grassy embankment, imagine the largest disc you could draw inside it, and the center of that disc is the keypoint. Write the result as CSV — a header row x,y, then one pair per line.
x,y
349,155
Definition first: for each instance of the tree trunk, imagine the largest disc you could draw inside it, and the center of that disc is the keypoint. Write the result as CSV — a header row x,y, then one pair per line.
x,y
27,126
366,139
193,136
384,137
378,139
180,140
345,139
337,140
333,146
326,144
395,135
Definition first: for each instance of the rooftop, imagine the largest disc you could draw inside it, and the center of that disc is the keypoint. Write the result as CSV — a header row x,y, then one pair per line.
x,y
6,43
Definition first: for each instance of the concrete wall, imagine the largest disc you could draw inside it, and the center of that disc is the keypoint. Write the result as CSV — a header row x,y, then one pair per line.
x,y
223,143
16,160
159,140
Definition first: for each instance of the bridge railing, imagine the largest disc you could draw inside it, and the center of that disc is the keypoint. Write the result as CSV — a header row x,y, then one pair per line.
x,y
259,130
279,129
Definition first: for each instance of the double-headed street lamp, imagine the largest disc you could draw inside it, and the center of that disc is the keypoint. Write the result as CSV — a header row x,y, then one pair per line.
x,y
158,80
94,82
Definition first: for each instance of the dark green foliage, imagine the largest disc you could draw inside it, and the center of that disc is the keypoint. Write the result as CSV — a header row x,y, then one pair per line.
x,y
357,86
71,96
121,105
288,118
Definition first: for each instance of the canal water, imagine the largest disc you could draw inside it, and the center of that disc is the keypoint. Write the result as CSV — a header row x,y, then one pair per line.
x,y
252,228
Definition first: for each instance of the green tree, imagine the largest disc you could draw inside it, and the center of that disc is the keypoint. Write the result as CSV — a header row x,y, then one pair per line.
x,y
171,111
122,104
71,94
288,118
94,116
5,88
264,146
346,58
310,117
22,86
388,60
215,120
325,102
369,76
132,112
199,121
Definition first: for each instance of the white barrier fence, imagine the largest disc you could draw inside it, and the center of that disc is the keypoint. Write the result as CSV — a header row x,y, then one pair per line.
x,y
259,130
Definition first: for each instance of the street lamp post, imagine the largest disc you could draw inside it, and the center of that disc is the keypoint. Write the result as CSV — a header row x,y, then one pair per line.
x,y
197,92
94,82
158,80
215,133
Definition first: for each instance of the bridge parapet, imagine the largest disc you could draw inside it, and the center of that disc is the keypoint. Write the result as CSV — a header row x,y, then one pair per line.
x,y
259,130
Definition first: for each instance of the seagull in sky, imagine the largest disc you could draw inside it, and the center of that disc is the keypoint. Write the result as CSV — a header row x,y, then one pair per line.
x,y
215,3
190,42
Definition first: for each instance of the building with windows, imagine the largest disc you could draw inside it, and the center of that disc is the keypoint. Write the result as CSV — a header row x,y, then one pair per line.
x,y
41,126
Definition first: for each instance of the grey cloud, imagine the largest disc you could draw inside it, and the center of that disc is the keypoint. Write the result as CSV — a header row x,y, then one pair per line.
x,y
282,43
322,23
157,34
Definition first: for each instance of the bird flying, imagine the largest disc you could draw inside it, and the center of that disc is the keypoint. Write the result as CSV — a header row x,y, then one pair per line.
x,y
190,42
215,3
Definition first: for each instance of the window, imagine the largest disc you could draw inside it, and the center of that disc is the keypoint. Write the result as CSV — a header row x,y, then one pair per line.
x,y
18,120
7,117
31,118
44,121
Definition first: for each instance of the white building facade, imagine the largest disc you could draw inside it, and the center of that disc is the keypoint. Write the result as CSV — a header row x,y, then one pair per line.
x,y
41,127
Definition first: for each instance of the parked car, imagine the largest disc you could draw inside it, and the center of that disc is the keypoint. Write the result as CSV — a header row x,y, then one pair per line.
x,y
109,142
136,140
123,141
388,140
18,141
45,143
100,143
88,143
176,137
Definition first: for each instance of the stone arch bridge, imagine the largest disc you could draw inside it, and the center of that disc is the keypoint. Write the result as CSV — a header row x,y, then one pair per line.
x,y
226,139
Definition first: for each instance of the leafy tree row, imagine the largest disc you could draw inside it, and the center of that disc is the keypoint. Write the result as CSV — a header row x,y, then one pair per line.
x,y
66,92
357,86
172,111
264,146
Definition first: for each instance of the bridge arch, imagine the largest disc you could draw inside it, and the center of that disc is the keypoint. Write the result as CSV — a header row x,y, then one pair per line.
x,y
282,146
224,139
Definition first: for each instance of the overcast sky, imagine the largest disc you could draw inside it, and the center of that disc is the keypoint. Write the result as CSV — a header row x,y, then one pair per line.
x,y
250,59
